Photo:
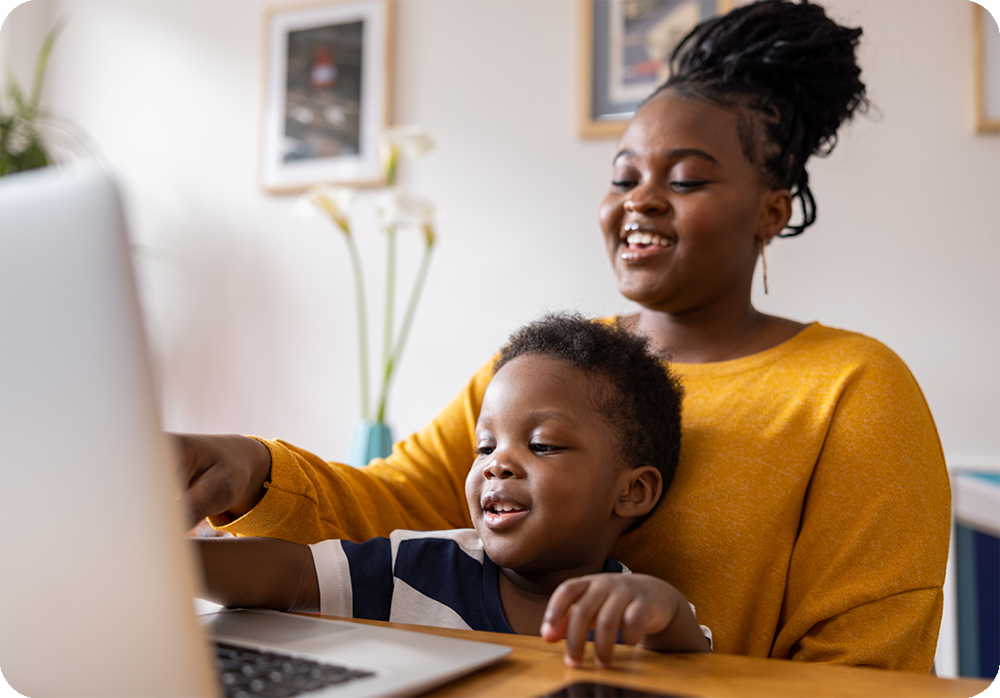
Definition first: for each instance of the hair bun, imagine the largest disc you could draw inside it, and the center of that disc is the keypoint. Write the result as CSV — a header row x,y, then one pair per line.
x,y
789,62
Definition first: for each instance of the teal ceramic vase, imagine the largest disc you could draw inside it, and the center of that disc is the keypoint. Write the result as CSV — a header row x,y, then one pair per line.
x,y
371,440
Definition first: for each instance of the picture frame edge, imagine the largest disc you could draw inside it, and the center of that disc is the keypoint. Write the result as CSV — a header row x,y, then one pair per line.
x,y
269,14
587,126
983,123
585,74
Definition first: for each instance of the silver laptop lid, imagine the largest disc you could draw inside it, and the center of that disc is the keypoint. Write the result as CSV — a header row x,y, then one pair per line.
x,y
95,579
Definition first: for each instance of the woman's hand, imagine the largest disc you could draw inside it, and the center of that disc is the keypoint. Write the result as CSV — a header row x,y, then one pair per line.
x,y
637,607
223,473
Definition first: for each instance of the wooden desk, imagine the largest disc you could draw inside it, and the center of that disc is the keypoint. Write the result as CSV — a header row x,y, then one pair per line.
x,y
535,668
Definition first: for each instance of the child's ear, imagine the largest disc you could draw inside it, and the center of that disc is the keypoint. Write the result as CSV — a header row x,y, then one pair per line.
x,y
640,492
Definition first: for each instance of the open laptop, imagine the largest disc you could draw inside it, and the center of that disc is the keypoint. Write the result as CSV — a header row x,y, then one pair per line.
x,y
96,580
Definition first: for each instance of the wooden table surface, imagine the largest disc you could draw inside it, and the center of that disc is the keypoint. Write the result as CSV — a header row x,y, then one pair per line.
x,y
536,668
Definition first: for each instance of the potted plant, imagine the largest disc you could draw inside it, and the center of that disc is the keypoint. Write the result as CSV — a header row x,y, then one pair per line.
x,y
26,129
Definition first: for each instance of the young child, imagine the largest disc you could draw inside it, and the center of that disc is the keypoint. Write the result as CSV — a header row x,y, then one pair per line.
x,y
578,437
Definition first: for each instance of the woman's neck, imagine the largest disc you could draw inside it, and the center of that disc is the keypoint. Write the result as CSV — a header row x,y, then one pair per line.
x,y
524,596
698,337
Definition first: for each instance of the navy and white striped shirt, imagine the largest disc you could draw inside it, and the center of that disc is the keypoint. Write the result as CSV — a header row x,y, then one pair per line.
x,y
440,578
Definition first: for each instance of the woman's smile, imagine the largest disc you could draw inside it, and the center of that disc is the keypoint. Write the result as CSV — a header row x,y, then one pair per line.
x,y
640,241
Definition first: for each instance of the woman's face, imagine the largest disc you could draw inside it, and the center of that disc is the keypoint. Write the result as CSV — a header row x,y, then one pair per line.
x,y
686,208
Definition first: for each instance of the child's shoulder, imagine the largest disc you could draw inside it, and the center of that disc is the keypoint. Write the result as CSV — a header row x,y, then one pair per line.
x,y
464,539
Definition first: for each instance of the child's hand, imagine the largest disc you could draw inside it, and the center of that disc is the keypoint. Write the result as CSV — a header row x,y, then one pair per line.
x,y
639,607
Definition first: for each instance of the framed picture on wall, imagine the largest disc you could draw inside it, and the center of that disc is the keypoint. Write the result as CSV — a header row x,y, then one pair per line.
x,y
986,43
326,95
625,48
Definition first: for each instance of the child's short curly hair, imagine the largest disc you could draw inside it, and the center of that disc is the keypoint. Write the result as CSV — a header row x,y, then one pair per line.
x,y
640,399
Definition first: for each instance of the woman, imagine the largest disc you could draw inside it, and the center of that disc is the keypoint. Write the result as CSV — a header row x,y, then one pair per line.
x,y
809,515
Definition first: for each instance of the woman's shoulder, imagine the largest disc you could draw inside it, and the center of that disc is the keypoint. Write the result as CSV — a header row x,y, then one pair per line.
x,y
815,348
838,356
831,344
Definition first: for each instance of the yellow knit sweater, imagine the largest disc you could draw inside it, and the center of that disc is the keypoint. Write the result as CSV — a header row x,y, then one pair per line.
x,y
809,517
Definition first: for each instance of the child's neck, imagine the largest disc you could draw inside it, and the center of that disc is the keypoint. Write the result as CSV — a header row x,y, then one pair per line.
x,y
524,596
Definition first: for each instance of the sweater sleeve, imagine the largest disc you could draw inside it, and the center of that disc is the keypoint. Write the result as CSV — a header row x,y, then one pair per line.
x,y
866,573
420,486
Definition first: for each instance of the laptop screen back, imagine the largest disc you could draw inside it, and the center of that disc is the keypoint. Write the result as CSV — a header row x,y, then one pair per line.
x,y
95,580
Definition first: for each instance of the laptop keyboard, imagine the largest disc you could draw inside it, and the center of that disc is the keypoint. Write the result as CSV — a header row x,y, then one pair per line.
x,y
247,672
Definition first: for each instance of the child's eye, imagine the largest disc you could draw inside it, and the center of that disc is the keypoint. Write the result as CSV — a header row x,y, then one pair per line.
x,y
484,450
545,448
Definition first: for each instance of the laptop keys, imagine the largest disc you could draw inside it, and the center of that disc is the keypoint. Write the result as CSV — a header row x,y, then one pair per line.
x,y
247,672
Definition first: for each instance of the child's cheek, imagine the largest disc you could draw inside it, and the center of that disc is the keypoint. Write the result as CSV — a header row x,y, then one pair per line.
x,y
472,494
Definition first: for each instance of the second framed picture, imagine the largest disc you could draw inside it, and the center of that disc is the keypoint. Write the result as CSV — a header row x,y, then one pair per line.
x,y
625,54
327,94
986,46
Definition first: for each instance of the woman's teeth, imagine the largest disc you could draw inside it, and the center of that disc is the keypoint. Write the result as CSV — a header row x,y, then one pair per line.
x,y
638,238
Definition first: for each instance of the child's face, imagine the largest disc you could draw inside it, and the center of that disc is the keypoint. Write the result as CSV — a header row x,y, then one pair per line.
x,y
543,489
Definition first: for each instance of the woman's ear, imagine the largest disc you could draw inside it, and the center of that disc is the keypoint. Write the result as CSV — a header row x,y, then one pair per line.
x,y
775,212
639,493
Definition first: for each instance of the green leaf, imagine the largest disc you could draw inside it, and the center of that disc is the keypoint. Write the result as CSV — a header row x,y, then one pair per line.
x,y
14,90
21,145
34,157
42,63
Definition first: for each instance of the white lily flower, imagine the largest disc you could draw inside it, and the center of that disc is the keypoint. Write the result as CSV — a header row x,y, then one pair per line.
x,y
412,141
407,141
397,209
335,202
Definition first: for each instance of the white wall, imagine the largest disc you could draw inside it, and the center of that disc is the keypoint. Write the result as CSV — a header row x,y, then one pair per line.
x,y
251,312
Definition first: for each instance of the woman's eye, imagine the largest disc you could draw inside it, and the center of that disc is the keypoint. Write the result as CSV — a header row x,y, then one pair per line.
x,y
622,184
687,184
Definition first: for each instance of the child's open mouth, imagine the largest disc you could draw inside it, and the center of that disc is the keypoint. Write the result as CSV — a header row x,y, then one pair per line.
x,y
501,513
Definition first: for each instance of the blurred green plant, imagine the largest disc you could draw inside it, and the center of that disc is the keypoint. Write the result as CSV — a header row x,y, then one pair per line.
x,y
22,145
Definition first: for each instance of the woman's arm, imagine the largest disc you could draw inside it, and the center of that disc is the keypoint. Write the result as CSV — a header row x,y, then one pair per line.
x,y
420,486
866,573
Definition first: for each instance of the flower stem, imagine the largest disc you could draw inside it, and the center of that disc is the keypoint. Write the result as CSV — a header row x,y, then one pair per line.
x,y
390,306
404,331
359,294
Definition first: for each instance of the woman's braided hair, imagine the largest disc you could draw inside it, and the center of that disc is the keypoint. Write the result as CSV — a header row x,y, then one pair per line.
x,y
794,68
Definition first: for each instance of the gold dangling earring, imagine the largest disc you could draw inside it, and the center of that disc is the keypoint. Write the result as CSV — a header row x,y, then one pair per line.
x,y
763,259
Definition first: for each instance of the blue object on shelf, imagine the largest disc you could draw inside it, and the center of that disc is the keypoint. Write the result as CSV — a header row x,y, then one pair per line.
x,y
371,440
977,556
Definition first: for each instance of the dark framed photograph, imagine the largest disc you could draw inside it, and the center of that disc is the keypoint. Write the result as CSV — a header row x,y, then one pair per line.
x,y
625,54
986,44
326,94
